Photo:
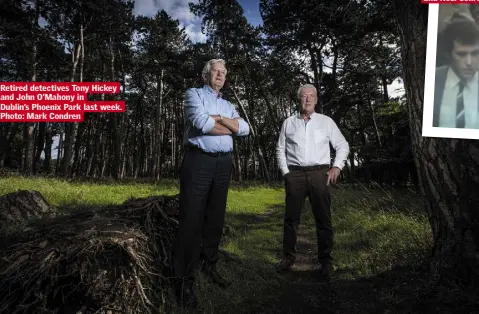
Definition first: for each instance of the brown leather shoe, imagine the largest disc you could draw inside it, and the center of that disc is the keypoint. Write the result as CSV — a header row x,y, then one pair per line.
x,y
286,263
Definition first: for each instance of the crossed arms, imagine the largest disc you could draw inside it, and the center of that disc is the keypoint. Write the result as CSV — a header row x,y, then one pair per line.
x,y
224,126
208,124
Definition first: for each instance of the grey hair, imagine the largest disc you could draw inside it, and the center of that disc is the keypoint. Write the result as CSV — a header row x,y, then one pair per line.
x,y
208,66
307,86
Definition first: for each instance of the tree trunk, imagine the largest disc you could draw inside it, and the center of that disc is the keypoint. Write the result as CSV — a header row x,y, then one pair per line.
x,y
71,128
237,162
447,168
317,68
59,151
48,149
40,144
115,133
28,154
29,127
159,129
373,115
267,176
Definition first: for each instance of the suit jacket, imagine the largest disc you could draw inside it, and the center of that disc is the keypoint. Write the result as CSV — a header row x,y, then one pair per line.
x,y
440,81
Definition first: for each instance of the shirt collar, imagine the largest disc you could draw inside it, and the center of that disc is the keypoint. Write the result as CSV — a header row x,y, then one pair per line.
x,y
311,117
453,80
210,90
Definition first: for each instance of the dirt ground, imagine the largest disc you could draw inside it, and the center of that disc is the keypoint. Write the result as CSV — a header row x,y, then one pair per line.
x,y
399,291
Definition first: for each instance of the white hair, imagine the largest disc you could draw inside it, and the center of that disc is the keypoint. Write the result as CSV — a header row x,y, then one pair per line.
x,y
209,64
307,86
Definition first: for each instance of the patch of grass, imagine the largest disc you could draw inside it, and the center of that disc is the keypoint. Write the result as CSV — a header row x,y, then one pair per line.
x,y
65,193
242,199
377,230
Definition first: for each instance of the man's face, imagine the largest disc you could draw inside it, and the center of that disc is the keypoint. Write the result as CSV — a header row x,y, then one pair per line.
x,y
217,76
465,59
308,99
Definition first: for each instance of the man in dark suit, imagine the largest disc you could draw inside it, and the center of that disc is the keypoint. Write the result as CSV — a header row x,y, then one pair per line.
x,y
211,122
456,93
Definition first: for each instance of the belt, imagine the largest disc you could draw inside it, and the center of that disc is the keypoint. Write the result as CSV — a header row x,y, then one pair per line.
x,y
191,148
307,168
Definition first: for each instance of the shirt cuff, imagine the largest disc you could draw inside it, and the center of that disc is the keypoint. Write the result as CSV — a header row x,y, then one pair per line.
x,y
339,165
284,171
242,127
209,125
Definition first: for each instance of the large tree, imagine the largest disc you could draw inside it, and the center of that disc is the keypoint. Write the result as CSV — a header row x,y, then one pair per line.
x,y
448,168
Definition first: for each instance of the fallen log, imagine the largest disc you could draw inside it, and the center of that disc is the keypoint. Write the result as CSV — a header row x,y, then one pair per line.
x,y
22,206
110,260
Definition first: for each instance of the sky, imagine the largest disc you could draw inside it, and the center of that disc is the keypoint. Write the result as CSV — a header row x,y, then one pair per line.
x,y
179,9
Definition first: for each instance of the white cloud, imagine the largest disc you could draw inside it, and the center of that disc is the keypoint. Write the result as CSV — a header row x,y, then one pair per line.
x,y
194,32
145,7
151,7
183,14
178,10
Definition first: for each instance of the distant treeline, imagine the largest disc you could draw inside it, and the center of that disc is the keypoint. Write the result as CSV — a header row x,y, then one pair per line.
x,y
348,50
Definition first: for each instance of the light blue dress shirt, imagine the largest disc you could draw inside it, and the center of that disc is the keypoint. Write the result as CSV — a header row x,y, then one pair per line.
x,y
200,103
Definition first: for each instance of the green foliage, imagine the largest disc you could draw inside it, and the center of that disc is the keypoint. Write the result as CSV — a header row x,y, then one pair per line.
x,y
340,47
377,231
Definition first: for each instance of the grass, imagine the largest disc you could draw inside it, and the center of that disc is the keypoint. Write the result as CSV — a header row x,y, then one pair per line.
x,y
377,231
64,193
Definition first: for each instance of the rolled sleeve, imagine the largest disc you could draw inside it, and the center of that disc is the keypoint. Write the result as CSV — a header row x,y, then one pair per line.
x,y
281,150
195,112
243,126
340,145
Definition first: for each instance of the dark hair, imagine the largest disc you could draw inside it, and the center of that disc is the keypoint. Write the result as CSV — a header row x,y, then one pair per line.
x,y
460,29
473,7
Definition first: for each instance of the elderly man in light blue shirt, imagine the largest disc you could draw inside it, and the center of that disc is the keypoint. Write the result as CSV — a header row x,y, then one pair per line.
x,y
210,124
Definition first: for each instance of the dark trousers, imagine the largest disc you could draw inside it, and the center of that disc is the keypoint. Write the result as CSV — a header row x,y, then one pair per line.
x,y
204,183
311,184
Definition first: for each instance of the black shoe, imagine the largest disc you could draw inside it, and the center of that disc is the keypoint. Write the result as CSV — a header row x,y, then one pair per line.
x,y
212,273
185,294
286,263
327,270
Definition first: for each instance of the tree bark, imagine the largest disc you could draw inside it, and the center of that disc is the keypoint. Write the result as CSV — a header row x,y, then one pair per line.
x,y
448,169
267,176
70,128
48,149
373,115
115,133
40,145
29,127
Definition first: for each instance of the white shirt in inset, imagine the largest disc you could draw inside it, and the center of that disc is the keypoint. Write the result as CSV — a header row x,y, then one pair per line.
x,y
304,143
447,118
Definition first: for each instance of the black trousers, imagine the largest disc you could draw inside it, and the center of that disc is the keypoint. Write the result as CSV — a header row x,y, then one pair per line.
x,y
311,184
204,183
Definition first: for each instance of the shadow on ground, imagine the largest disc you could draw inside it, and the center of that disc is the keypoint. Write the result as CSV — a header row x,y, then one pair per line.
x,y
258,288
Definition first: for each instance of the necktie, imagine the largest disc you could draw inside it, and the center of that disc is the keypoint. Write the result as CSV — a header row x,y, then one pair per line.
x,y
460,114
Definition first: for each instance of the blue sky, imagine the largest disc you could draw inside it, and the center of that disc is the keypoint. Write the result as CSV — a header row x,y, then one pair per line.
x,y
178,9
